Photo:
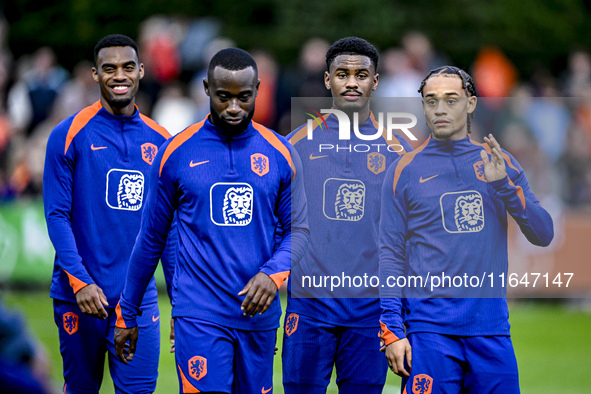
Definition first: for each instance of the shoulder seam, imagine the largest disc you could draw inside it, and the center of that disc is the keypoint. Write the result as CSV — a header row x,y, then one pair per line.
x,y
178,140
80,120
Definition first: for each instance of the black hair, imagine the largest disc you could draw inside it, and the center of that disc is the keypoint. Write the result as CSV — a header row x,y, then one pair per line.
x,y
352,46
115,40
233,59
467,84
467,81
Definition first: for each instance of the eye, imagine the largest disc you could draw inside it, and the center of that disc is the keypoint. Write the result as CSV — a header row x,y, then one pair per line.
x,y
362,76
341,75
245,98
431,102
130,68
451,101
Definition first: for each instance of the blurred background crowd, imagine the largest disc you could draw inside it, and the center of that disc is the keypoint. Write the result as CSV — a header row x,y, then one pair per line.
x,y
543,118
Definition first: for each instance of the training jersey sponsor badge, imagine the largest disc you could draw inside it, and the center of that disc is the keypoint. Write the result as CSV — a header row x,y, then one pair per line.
x,y
462,212
125,189
344,199
198,367
376,162
231,203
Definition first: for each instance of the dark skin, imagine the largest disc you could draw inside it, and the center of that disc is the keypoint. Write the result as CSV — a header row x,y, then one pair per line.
x,y
351,79
232,98
118,72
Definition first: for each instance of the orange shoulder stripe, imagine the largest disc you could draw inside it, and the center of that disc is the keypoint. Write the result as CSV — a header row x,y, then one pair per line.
x,y
273,140
80,120
279,277
304,131
387,335
405,160
120,322
394,139
505,156
180,139
76,283
187,386
159,129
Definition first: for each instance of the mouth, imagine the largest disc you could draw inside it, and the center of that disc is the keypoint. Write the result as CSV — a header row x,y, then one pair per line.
x,y
233,121
441,122
120,89
351,95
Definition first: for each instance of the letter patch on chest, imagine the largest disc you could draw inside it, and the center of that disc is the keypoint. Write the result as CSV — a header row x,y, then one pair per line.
x,y
462,212
231,203
125,189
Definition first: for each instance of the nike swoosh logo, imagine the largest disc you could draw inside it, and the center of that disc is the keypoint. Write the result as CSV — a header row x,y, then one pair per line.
x,y
155,319
427,179
312,158
266,391
97,147
191,164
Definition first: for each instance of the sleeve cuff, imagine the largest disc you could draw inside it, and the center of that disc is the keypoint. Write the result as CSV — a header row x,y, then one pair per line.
x,y
278,277
389,336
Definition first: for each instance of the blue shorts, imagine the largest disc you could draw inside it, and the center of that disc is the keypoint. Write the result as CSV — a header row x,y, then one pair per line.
x,y
84,340
312,347
458,364
211,357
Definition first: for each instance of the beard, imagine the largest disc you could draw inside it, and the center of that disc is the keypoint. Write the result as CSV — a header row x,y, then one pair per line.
x,y
120,102
228,129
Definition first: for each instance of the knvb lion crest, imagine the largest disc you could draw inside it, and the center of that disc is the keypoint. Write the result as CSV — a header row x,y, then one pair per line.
x,y
468,213
70,322
198,367
130,192
237,207
422,384
376,162
291,323
479,170
149,151
259,164
350,201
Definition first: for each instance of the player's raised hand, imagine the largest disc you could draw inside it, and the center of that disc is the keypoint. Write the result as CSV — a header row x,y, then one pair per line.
x,y
494,169
123,351
395,354
260,292
91,299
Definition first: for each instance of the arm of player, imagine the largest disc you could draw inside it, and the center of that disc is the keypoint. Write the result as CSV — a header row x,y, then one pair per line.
x,y
511,186
392,263
58,185
169,256
149,245
293,218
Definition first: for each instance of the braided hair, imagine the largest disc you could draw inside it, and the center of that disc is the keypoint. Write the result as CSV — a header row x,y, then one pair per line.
x,y
467,83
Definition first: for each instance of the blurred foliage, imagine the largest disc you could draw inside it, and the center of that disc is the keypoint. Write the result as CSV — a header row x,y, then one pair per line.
x,y
531,32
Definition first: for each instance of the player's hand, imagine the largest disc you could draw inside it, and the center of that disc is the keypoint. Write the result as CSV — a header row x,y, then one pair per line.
x,y
494,169
124,351
260,292
172,335
91,299
395,353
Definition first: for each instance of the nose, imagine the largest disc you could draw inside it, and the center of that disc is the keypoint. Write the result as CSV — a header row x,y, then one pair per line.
x,y
233,106
352,82
441,108
119,73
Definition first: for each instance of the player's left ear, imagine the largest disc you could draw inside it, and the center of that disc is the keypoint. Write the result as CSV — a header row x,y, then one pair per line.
x,y
472,104
376,78
141,70
256,89
206,86
327,80
95,74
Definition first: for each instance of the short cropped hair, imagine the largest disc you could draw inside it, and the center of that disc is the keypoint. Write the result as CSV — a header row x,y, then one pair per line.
x,y
467,81
115,40
233,59
352,46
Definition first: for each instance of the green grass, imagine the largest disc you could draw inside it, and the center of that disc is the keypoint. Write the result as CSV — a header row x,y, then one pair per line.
x,y
552,343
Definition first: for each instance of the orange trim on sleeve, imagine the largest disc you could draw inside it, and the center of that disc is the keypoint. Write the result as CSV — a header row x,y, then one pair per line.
x,y
120,322
519,192
394,139
387,335
180,139
404,161
159,129
279,277
80,120
273,140
187,386
76,283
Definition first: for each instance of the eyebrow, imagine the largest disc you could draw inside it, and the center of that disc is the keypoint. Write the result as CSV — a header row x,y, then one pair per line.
x,y
346,69
242,92
446,94
114,65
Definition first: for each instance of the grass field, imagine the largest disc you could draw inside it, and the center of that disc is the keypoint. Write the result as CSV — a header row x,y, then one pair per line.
x,y
552,342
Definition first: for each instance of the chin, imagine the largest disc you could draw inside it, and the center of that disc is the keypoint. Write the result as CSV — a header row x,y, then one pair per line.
x,y
120,102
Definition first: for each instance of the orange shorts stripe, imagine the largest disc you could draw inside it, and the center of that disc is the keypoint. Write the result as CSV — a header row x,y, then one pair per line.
x,y
186,385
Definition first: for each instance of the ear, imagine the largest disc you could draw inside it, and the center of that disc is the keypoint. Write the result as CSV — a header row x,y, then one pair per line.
x,y
256,89
327,80
206,86
472,100
141,70
376,78
95,74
